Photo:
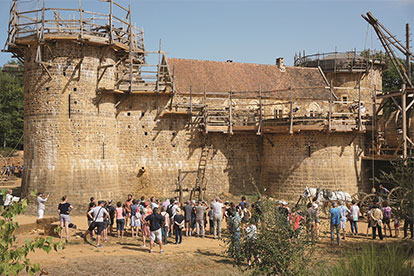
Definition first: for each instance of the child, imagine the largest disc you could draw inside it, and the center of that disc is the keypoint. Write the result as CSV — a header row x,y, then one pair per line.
x,y
386,214
397,227
145,226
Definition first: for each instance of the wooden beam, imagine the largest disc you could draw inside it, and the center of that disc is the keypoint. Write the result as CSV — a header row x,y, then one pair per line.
x,y
230,113
404,122
390,95
291,111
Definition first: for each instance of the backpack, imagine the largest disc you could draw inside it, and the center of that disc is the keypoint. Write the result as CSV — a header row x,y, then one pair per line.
x,y
169,210
387,213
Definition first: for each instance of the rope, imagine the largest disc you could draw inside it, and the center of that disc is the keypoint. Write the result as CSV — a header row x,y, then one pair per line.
x,y
373,142
14,149
366,37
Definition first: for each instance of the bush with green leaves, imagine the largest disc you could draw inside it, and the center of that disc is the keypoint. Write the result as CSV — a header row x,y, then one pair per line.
x,y
14,258
401,175
276,250
373,260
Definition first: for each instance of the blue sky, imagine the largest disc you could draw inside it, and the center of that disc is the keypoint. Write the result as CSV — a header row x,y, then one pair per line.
x,y
253,31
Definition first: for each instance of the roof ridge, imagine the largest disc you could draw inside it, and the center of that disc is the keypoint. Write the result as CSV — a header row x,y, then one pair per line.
x,y
233,62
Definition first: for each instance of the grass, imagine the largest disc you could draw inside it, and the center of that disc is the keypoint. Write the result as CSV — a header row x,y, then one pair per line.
x,y
375,259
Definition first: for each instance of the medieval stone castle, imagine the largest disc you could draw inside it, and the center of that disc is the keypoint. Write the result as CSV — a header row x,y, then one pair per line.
x,y
100,121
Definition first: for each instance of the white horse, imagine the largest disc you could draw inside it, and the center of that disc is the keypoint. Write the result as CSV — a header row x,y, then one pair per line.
x,y
326,195
322,197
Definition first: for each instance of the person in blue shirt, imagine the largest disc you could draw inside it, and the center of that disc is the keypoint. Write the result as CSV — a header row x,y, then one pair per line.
x,y
335,222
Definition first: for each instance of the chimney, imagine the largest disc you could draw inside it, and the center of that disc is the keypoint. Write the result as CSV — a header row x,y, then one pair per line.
x,y
280,62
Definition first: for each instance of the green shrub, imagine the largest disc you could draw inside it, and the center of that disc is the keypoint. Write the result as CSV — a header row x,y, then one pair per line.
x,y
277,249
13,258
374,260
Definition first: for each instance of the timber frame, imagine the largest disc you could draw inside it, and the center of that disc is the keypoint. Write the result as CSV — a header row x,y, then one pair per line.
x,y
115,30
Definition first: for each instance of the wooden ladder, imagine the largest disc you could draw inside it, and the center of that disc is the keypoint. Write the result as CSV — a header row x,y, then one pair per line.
x,y
200,185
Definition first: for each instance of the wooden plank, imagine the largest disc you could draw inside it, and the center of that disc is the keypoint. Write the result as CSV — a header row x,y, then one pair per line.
x,y
176,113
244,128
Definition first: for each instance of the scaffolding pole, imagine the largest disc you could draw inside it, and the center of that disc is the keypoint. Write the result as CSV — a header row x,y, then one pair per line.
x,y
230,113
259,129
408,53
291,110
404,122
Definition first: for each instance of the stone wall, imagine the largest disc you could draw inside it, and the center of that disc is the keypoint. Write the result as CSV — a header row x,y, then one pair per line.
x,y
70,142
81,143
313,159
152,148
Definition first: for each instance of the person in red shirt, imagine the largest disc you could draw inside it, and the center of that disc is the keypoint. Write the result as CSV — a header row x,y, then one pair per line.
x,y
296,221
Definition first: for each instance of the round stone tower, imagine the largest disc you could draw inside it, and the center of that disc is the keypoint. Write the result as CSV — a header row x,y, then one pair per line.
x,y
73,64
353,75
69,130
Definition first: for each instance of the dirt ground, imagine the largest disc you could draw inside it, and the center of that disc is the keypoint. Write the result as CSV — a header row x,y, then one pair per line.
x,y
195,256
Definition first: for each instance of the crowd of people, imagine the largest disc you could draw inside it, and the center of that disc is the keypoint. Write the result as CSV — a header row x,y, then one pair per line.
x,y
12,170
379,217
154,220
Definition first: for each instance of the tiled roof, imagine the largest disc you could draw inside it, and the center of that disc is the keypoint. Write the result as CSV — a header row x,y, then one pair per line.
x,y
215,76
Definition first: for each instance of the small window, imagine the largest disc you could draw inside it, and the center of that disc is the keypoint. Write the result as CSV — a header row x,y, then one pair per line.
x,y
344,99
278,113
312,113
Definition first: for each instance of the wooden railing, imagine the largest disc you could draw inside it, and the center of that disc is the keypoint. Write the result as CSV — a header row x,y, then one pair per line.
x,y
113,27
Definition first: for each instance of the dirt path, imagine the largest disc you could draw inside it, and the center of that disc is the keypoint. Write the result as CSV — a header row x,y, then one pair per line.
x,y
195,256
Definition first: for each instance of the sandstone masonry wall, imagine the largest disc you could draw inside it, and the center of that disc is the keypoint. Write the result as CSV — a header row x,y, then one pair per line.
x,y
81,143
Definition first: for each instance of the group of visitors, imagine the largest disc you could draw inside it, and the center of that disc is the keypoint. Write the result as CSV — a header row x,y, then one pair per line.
x,y
379,219
12,170
154,220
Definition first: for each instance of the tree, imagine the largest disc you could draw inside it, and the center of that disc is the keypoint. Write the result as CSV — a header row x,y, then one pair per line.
x,y
13,258
401,176
11,108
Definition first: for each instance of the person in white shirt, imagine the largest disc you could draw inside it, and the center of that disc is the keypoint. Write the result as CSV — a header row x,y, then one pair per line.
x,y
217,208
10,199
99,214
41,204
354,218
153,203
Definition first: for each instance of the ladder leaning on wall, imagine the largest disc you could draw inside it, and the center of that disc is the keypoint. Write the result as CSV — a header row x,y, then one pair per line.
x,y
201,182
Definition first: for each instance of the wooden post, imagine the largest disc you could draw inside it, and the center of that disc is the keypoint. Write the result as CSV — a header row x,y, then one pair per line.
x,y
80,19
230,113
111,39
330,114
191,104
359,105
374,118
291,110
404,121
205,96
157,90
130,45
407,39
259,130
43,21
